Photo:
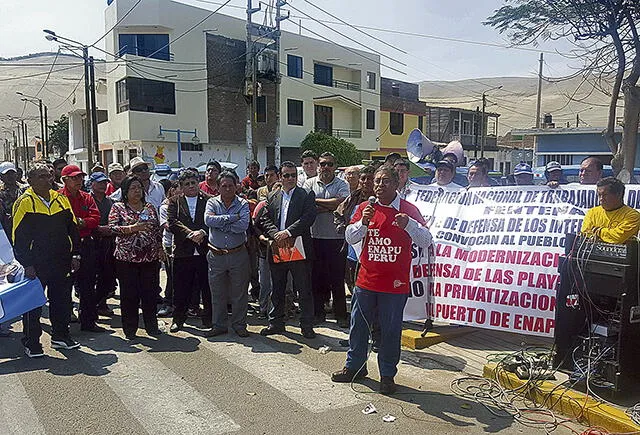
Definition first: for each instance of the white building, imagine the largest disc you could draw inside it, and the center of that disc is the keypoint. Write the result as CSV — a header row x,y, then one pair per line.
x,y
164,78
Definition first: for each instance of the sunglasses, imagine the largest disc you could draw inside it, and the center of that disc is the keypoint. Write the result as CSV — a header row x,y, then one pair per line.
x,y
329,164
287,176
140,169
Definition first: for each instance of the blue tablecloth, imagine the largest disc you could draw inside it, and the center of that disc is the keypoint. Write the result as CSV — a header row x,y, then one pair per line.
x,y
20,297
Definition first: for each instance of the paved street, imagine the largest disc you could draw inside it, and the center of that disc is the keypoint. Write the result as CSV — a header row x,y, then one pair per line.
x,y
186,384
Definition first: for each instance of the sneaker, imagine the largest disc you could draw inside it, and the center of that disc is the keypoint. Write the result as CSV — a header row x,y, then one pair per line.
x,y
387,385
34,351
165,311
214,332
347,375
64,343
272,330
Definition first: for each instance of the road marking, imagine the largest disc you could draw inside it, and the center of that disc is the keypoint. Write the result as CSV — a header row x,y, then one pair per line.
x,y
300,382
159,399
17,414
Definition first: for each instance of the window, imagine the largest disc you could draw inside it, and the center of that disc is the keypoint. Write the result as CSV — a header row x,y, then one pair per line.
x,y
261,109
143,95
294,66
322,75
294,112
371,119
466,127
421,123
395,90
456,126
188,146
563,159
133,153
371,80
146,45
120,156
396,123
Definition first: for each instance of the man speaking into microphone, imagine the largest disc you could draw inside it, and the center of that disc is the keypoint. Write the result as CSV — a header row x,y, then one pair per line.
x,y
387,226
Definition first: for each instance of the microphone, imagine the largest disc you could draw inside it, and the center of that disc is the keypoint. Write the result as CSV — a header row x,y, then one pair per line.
x,y
372,201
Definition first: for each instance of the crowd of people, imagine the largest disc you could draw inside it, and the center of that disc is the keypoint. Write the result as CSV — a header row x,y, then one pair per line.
x,y
287,238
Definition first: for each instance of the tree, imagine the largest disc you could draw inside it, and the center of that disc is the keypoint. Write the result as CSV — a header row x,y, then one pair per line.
x,y
59,136
346,153
605,37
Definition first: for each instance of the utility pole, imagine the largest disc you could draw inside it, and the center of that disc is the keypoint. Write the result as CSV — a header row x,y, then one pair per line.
x,y
279,18
87,101
250,72
41,126
25,146
482,133
539,103
15,147
46,134
94,110
475,134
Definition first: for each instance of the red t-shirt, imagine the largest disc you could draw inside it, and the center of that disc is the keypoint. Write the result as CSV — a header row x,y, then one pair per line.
x,y
208,189
250,183
385,263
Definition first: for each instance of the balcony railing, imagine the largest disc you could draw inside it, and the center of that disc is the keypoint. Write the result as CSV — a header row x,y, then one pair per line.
x,y
339,84
342,133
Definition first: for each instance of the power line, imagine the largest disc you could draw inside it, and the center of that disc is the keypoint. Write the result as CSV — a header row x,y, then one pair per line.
x,y
118,22
49,73
7,79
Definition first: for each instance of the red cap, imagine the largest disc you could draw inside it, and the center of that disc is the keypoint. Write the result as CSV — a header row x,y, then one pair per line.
x,y
71,171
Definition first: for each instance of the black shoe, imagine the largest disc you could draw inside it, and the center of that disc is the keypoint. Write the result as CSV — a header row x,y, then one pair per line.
x,y
131,336
105,312
92,328
308,333
348,375
34,351
175,327
344,323
243,333
64,343
154,332
165,311
214,332
387,385
272,330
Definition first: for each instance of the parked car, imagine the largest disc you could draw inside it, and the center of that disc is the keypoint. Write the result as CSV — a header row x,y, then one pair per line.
x,y
571,173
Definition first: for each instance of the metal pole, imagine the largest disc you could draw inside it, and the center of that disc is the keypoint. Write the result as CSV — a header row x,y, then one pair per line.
x,y
279,18
539,104
15,147
46,133
475,133
179,148
25,144
41,126
249,73
87,101
94,109
482,137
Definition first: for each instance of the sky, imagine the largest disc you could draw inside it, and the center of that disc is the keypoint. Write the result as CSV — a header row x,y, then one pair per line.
x,y
425,58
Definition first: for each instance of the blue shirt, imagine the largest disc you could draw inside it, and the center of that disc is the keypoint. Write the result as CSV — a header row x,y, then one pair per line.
x,y
227,226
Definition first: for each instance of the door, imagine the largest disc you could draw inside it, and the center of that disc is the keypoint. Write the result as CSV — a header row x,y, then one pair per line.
x,y
324,119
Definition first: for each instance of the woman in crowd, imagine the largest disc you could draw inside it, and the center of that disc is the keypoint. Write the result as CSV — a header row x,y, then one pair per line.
x,y
138,250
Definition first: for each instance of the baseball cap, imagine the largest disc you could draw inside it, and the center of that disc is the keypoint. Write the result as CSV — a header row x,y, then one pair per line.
x,y
137,161
553,166
71,171
6,167
522,168
446,163
97,177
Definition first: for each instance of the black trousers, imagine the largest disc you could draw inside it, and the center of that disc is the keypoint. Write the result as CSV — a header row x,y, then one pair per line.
x,y
105,276
138,286
189,274
328,276
301,274
87,282
58,287
168,267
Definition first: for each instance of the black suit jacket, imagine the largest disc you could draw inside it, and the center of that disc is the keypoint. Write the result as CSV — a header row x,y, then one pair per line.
x,y
300,216
181,224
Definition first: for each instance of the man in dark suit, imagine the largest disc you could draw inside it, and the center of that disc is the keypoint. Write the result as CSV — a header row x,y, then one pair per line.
x,y
289,214
185,217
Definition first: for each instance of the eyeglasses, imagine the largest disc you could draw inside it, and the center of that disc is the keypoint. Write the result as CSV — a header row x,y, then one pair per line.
x,y
329,164
139,169
383,181
287,176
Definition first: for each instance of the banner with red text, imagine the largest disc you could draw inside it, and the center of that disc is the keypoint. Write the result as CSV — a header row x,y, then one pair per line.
x,y
494,261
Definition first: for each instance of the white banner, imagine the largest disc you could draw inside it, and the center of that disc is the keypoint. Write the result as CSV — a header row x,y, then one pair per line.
x,y
494,262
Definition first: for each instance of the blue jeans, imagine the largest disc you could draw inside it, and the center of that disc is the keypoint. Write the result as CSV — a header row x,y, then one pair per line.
x,y
386,310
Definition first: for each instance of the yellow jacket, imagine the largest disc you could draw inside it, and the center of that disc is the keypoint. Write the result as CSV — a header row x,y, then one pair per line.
x,y
616,226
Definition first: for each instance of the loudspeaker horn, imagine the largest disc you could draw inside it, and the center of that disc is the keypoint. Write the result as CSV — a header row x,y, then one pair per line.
x,y
423,151
454,148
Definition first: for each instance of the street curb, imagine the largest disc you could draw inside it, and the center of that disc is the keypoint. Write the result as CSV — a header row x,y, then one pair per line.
x,y
414,340
568,402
